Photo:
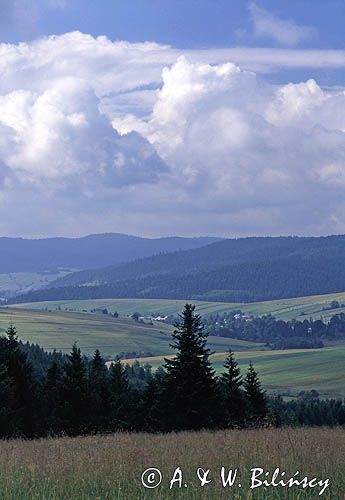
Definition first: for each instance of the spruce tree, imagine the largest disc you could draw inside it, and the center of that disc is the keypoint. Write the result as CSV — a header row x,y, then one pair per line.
x,y
232,394
255,396
24,401
53,391
99,392
151,397
189,395
120,397
7,424
75,392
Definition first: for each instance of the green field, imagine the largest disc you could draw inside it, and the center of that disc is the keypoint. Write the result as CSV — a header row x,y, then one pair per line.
x,y
287,371
290,371
60,329
300,308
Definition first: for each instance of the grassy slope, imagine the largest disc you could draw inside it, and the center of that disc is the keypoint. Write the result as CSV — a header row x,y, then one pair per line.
x,y
285,371
110,467
59,329
299,308
24,282
321,369
290,371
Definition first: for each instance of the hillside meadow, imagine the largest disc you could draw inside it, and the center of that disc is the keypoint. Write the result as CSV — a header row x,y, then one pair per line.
x,y
288,372
54,329
315,306
110,467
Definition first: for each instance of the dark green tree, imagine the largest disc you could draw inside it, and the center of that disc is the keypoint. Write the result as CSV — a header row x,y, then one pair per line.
x,y
120,397
255,396
189,394
24,407
99,393
231,383
53,396
74,392
7,424
151,398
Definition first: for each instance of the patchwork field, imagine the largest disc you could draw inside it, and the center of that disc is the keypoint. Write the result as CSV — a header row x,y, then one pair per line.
x,y
56,325
110,467
315,306
290,371
60,329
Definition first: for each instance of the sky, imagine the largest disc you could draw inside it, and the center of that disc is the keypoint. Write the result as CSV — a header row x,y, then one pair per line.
x,y
174,117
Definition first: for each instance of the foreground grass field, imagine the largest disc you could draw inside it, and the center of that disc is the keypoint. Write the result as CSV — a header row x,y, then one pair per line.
x,y
59,329
110,467
315,306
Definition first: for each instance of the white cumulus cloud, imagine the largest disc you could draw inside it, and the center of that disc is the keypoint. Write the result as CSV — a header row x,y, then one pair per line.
x,y
98,135
283,31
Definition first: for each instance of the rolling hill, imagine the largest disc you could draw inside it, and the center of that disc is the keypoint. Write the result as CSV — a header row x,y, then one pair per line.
x,y
287,372
37,255
232,270
58,324
314,306
290,371
54,329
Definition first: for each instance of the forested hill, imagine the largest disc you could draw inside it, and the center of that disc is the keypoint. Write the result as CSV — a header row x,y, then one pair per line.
x,y
94,251
247,269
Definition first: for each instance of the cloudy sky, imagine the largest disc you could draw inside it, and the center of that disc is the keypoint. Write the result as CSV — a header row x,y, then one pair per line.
x,y
184,117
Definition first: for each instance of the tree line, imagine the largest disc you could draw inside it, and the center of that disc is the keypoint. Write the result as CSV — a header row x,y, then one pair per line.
x,y
276,332
243,270
81,396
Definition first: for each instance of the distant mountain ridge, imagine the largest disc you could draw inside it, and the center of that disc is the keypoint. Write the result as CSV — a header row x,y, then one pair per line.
x,y
232,270
93,251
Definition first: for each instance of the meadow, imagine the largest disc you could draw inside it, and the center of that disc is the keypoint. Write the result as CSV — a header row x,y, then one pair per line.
x,y
290,371
56,325
315,306
110,467
60,329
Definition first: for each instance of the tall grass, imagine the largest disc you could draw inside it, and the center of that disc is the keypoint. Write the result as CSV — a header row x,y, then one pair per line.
x,y
110,467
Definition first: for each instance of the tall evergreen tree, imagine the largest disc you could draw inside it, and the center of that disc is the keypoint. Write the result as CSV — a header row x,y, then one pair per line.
x,y
189,394
75,392
53,392
99,393
120,397
151,398
255,396
231,383
25,391
7,424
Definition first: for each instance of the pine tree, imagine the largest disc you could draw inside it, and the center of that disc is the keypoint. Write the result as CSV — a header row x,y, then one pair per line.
x,y
7,424
53,392
75,392
120,397
151,398
24,401
232,394
255,396
99,392
189,395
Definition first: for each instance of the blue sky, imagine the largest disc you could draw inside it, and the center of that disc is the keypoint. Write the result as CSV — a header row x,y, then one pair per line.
x,y
183,23
160,117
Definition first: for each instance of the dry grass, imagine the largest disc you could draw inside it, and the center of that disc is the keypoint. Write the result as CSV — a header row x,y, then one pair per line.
x,y
110,467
